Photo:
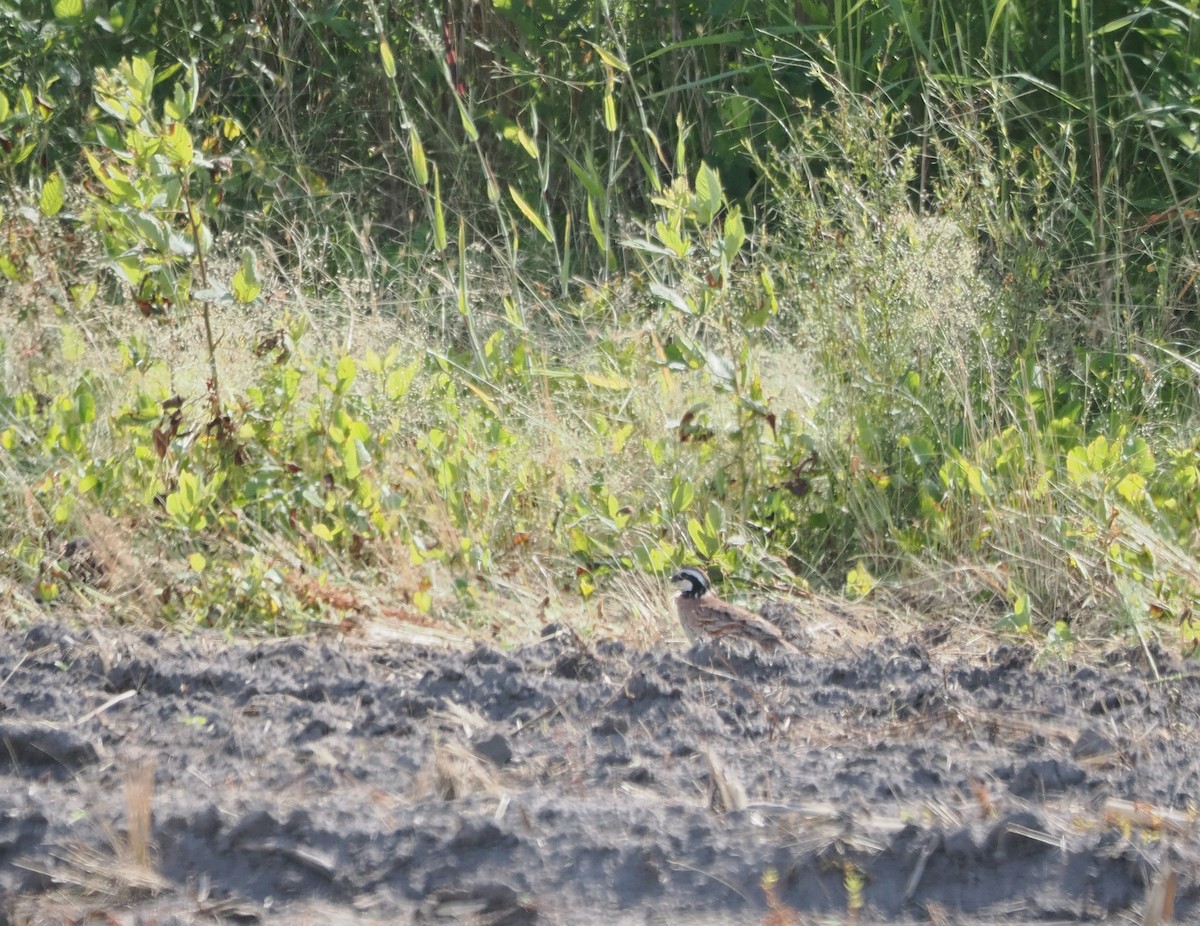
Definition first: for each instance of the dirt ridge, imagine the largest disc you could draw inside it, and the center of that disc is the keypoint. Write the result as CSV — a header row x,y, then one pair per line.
x,y
317,780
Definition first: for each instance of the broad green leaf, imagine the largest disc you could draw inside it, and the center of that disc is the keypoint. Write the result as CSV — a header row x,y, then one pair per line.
x,y
51,202
183,100
114,181
142,82
85,404
246,285
706,544
347,369
1132,488
1138,453
735,233
682,495
68,9
177,143
350,459
922,448
399,381
1078,468
859,581
668,236
197,562
708,194
672,297
189,489
64,509
1098,454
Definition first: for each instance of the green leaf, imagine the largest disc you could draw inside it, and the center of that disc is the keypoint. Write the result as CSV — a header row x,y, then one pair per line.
x,y
347,369
1132,488
439,216
668,236
114,181
735,233
389,60
189,490
708,194
610,112
350,461
246,285
1098,454
672,298
1139,455
177,143
706,543
594,225
468,123
859,581
922,448
533,217
609,58
183,101
52,195
399,381
197,562
68,9
85,404
1079,469
996,14
682,495
142,83
416,151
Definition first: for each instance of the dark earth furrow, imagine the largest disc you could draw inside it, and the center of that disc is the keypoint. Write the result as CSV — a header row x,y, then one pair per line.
x,y
315,781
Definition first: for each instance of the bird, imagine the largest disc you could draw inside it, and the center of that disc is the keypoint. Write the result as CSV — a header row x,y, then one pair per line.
x,y
704,616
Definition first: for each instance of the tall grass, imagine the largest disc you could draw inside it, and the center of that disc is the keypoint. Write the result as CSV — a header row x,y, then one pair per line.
x,y
831,293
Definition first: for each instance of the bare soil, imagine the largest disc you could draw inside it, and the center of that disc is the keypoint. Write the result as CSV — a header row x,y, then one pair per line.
x,y
151,778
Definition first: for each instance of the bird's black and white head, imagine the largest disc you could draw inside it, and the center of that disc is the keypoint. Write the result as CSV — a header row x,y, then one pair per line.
x,y
691,582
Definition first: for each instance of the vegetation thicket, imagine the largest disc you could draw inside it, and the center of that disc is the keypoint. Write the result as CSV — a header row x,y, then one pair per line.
x,y
499,311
